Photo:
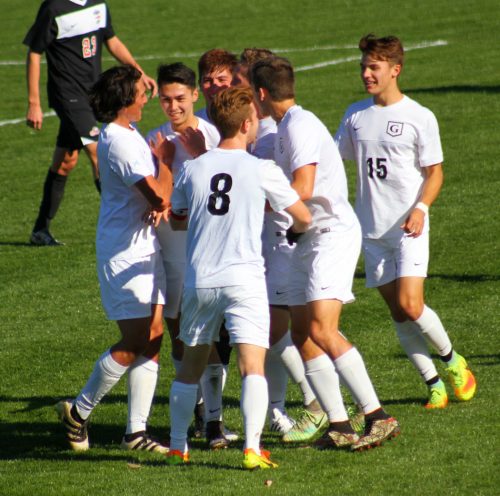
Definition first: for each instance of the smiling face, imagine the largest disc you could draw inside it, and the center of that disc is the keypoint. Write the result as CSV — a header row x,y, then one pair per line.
x,y
213,82
133,113
379,76
177,102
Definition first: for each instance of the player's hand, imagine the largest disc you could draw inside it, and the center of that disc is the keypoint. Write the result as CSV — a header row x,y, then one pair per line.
x,y
154,217
292,237
193,141
163,149
414,224
34,117
150,84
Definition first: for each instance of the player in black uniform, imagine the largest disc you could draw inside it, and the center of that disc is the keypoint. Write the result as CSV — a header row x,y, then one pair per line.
x,y
71,33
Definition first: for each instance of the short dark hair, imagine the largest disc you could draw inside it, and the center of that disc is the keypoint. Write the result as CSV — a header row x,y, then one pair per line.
x,y
114,90
176,73
275,74
217,58
251,55
230,107
388,48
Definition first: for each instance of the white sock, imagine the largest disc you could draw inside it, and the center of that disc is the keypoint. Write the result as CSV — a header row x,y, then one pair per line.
x,y
324,381
277,381
431,327
253,406
177,364
105,375
292,361
142,377
225,371
415,346
211,390
182,401
351,368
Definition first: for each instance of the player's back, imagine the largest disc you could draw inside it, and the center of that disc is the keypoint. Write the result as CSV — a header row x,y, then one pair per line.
x,y
226,199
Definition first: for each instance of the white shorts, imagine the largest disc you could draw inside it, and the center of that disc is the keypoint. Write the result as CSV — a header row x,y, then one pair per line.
x,y
130,287
244,309
323,266
277,259
173,252
388,259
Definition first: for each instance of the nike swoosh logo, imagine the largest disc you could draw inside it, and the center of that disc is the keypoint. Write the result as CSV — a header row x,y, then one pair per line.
x,y
280,292
326,287
213,411
356,128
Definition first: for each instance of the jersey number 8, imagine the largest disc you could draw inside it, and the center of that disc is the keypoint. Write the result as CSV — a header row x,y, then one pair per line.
x,y
218,201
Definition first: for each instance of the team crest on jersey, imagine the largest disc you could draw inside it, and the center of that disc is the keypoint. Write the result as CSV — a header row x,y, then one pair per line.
x,y
94,131
394,128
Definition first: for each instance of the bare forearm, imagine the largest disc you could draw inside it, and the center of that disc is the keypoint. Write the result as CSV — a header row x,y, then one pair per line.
x,y
432,184
33,77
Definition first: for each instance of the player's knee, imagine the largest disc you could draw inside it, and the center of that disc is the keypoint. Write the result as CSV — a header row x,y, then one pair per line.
x,y
412,307
67,164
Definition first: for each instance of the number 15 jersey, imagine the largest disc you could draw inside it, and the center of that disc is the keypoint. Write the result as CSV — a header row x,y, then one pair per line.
x,y
224,192
390,146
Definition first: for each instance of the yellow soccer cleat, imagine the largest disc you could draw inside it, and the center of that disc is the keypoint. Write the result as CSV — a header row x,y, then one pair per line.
x,y
462,379
253,461
438,397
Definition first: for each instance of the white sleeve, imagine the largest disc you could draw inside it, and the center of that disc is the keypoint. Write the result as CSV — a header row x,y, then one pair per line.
x,y
429,142
179,199
343,139
276,187
130,161
303,145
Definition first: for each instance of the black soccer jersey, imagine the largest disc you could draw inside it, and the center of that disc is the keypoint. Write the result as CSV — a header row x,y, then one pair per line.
x,y
71,33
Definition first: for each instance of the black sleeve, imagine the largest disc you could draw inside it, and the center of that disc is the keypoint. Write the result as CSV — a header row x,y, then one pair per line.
x,y
43,31
108,30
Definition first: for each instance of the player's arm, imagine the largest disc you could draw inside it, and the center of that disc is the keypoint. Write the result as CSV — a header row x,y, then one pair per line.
x,y
34,116
178,221
303,181
300,215
121,53
433,182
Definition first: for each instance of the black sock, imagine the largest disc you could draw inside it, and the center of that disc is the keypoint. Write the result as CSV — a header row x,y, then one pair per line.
x,y
53,192
76,415
377,414
432,381
344,427
447,357
97,183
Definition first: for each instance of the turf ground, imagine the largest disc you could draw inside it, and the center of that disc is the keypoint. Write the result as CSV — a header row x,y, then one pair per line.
x,y
53,327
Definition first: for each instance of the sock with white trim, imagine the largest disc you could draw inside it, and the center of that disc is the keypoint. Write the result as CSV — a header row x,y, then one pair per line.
x,y
253,404
431,327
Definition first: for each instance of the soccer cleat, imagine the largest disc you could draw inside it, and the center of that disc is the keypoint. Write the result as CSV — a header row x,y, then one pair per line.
x,y
333,439
215,435
438,397
462,379
141,441
356,419
281,422
76,432
253,461
176,457
230,435
376,432
306,427
44,238
198,430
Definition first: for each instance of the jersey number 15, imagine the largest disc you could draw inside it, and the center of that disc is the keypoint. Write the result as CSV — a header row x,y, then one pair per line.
x,y
377,167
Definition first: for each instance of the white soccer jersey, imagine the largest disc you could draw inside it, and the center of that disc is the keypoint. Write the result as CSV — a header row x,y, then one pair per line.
x,y
390,145
224,192
303,139
124,159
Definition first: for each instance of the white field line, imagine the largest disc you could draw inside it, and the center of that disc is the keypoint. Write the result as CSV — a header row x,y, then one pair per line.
x,y
423,44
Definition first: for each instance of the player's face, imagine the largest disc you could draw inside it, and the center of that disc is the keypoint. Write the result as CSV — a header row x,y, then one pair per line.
x,y
215,81
378,76
134,111
177,102
240,77
253,121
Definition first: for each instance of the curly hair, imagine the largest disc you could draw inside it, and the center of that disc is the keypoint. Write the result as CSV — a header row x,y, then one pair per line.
x,y
388,48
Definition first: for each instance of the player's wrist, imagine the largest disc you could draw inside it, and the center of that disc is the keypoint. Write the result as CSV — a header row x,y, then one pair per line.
x,y
423,207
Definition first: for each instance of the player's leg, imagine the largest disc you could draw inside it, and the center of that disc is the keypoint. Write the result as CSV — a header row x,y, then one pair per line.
x,y
91,152
142,378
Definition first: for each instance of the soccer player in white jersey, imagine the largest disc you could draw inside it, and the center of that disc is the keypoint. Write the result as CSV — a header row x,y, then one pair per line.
x,y
224,192
324,261
129,266
283,359
177,95
396,145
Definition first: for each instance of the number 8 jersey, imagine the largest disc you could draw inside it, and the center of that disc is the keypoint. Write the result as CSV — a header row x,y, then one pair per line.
x,y
390,146
71,33
224,192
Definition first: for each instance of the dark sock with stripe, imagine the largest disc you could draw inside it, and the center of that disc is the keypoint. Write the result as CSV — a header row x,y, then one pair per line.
x,y
378,414
433,381
446,358
53,192
343,427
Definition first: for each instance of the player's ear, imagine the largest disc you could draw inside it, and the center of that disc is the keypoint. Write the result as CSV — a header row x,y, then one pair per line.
x,y
263,93
196,94
396,70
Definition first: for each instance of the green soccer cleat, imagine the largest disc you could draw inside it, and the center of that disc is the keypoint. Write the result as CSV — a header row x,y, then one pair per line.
x,y
356,419
462,379
76,432
253,461
176,457
438,397
376,432
306,427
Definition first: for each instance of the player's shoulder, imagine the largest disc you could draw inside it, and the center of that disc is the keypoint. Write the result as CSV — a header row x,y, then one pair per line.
x,y
359,106
413,106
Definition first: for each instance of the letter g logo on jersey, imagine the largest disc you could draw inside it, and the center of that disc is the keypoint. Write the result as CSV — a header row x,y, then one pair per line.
x,y
394,128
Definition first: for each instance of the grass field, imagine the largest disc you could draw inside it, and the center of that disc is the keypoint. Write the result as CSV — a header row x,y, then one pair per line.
x,y
53,327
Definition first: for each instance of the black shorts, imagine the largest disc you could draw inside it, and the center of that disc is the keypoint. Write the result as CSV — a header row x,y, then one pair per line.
x,y
78,126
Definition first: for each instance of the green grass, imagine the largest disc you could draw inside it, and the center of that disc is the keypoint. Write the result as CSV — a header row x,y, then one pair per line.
x,y
53,327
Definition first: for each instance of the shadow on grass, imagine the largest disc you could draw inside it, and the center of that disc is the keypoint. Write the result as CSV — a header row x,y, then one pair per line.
x,y
456,88
451,277
482,360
